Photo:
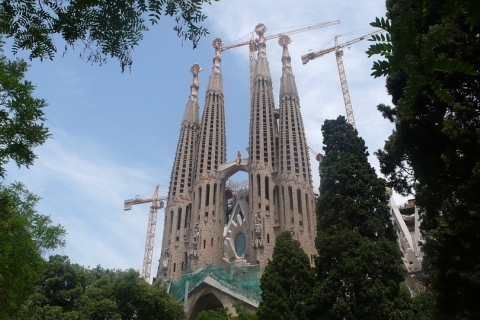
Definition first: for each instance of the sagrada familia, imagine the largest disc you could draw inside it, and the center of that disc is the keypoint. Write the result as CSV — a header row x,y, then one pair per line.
x,y
205,224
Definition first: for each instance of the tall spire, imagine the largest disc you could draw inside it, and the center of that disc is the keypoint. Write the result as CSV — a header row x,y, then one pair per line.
x,y
208,189
294,173
262,158
191,114
215,82
262,69
287,85
178,213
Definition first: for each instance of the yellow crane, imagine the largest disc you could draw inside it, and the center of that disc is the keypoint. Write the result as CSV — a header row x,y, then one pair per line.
x,y
318,156
157,203
341,70
252,45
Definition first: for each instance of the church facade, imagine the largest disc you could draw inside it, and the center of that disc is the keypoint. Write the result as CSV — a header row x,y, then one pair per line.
x,y
208,224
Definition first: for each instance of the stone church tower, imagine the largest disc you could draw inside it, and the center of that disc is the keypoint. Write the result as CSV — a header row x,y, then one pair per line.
x,y
263,156
208,189
294,180
204,223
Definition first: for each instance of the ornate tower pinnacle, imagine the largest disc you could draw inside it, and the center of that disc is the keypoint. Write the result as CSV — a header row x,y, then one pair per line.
x,y
284,41
287,83
215,82
262,69
191,115
195,70
217,59
260,30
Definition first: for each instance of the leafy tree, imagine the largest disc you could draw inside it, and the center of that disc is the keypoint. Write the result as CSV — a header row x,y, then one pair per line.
x,y
21,115
287,282
70,291
431,52
358,267
61,286
242,313
218,314
223,314
103,27
25,236
423,306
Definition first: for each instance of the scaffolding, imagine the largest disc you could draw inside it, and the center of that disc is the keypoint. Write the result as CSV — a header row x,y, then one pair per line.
x,y
237,276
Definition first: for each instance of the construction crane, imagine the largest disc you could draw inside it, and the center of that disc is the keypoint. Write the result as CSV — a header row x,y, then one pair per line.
x,y
157,203
341,70
310,148
252,45
318,156
235,186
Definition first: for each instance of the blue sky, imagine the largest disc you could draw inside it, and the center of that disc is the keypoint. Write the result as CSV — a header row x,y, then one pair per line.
x,y
115,135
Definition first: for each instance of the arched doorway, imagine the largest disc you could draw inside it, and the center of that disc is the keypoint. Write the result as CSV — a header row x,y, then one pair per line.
x,y
206,302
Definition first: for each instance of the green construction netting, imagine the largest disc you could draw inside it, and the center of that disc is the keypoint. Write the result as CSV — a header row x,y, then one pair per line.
x,y
244,280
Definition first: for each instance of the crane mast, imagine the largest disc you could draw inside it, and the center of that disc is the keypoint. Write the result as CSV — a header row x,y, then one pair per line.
x,y
341,70
252,45
157,203
344,84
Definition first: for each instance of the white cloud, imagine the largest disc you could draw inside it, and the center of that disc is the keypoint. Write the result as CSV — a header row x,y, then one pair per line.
x,y
84,191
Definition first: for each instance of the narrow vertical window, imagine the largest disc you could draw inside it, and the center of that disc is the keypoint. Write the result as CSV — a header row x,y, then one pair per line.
x,y
199,197
299,200
207,195
267,189
259,187
179,218
214,193
290,196
188,213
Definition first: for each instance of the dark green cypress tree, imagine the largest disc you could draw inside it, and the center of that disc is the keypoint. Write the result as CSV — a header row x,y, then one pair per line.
x,y
287,282
358,268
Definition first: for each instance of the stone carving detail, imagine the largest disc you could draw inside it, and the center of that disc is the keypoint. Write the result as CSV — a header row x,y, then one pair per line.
x,y
239,158
165,260
196,236
258,224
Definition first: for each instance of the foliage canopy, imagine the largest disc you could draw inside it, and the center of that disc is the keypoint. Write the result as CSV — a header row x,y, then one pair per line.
x,y
223,314
103,27
25,236
431,52
21,115
70,291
